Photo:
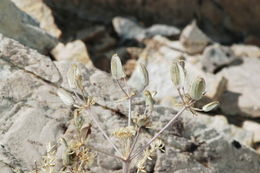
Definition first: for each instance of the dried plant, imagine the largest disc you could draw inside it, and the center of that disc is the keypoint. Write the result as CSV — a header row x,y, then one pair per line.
x,y
79,154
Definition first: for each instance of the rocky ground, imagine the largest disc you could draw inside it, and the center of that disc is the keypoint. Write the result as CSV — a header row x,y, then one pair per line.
x,y
39,40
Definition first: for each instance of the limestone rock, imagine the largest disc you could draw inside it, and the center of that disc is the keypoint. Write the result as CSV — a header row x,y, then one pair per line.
x,y
216,56
163,30
130,29
254,128
75,51
31,113
18,25
158,61
30,60
40,11
246,50
242,95
193,39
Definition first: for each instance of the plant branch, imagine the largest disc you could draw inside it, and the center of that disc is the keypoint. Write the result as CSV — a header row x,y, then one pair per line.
x,y
104,152
157,134
104,133
134,142
120,86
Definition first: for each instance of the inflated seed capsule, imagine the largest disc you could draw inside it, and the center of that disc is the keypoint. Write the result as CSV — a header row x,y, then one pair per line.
x,y
143,75
65,97
197,88
210,106
72,74
117,68
177,74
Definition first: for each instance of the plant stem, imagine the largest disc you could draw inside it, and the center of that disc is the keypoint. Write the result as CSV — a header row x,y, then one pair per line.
x,y
129,110
157,134
104,133
126,166
120,86
104,152
135,141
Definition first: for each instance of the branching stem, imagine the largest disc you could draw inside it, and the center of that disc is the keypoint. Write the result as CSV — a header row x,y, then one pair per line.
x,y
157,134
104,133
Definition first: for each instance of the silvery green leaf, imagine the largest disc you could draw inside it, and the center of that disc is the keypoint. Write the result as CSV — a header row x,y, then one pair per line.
x,y
65,97
177,74
210,106
72,74
117,68
143,74
197,89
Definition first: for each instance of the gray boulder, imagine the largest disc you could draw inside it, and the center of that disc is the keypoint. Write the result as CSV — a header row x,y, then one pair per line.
x,y
18,25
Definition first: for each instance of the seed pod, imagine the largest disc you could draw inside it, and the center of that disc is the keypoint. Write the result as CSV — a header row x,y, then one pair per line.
x,y
181,61
143,75
210,106
177,74
149,101
117,68
72,74
65,97
197,88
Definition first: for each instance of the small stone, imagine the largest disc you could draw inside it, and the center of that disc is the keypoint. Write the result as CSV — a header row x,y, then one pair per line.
x,y
75,51
253,127
128,29
193,39
215,57
163,30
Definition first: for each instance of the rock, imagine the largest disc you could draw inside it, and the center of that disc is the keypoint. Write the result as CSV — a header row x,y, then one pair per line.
x,y
23,28
40,11
193,39
241,50
254,128
163,30
75,51
27,59
215,57
130,29
158,60
195,146
31,113
222,20
243,93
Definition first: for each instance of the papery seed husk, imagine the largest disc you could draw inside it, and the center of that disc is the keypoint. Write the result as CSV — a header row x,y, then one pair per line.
x,y
197,88
177,74
210,106
72,74
117,68
65,97
143,75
